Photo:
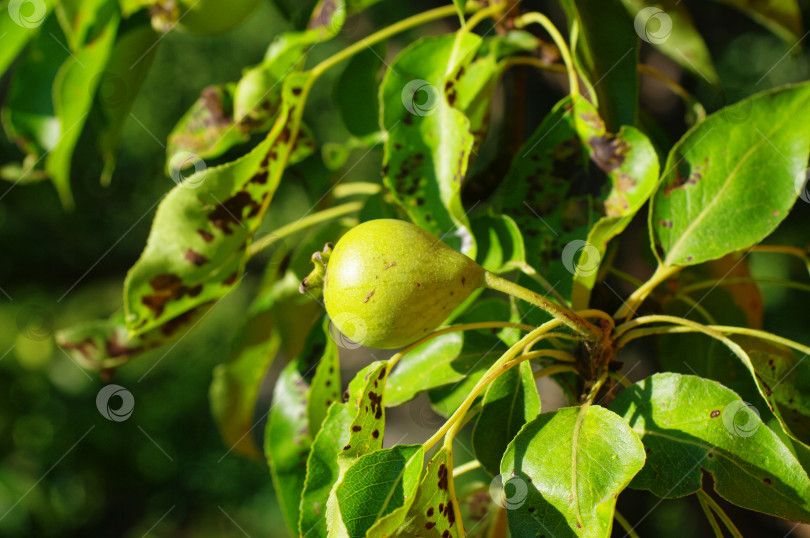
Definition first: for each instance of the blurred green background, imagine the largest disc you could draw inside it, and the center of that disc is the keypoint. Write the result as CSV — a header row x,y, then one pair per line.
x,y
67,471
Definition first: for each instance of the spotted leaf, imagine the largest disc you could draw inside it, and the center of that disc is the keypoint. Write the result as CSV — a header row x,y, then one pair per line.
x,y
429,140
689,425
196,248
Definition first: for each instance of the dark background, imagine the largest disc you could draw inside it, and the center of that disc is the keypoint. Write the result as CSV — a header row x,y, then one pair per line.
x,y
66,471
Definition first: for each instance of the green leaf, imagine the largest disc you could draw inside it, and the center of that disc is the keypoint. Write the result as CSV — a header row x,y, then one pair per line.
x,y
568,467
287,440
689,425
323,470
366,403
448,358
785,378
104,343
15,35
356,92
782,17
668,26
196,248
235,384
726,188
429,140
118,87
510,402
207,129
73,90
77,18
608,52
377,490
325,387
128,7
257,96
631,164
567,212
542,193
500,243
431,513
29,118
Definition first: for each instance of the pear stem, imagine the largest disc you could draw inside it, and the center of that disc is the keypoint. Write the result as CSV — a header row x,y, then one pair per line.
x,y
581,326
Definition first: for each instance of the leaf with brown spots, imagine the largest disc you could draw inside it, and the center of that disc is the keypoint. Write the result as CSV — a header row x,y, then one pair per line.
x,y
326,385
365,393
434,136
207,129
105,343
427,516
197,246
726,188
785,378
556,199
607,54
630,162
750,465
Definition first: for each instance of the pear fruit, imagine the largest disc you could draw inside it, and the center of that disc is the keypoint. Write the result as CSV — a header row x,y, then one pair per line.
x,y
387,283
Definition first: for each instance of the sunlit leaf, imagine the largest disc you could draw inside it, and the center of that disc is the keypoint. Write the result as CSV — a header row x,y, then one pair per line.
x,y
196,249
690,425
725,188
567,467
429,140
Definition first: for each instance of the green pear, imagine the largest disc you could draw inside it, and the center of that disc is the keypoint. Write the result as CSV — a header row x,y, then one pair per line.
x,y
387,282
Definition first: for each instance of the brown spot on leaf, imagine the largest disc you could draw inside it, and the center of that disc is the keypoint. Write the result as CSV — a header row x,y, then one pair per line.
x,y
715,413
608,152
195,257
231,279
207,236
376,404
369,295
260,178
766,481
442,478
230,211
375,434
356,428
347,447
429,512
430,524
